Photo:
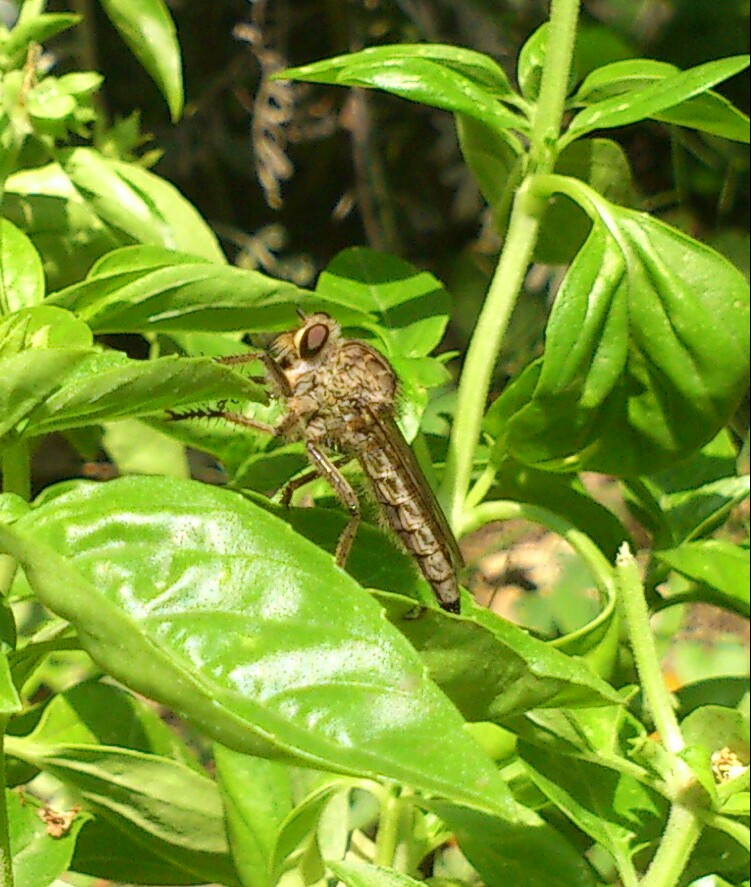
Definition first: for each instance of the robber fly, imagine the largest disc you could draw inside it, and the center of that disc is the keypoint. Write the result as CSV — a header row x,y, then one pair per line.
x,y
340,397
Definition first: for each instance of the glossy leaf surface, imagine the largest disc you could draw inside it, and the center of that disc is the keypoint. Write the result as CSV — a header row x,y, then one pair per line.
x,y
213,606
148,29
646,354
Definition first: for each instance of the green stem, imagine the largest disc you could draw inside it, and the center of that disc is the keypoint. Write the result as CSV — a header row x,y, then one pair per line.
x,y
559,55
681,833
642,641
521,236
16,470
484,348
6,860
387,837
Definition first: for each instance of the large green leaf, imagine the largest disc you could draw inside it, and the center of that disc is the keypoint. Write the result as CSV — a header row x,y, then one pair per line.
x,y
475,66
195,597
709,111
147,27
420,78
660,95
612,808
141,289
108,385
139,204
519,672
529,852
646,352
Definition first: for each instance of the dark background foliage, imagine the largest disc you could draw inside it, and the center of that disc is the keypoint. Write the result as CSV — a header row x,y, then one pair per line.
x,y
347,168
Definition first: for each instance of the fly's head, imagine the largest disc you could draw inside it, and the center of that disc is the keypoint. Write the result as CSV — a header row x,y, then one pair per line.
x,y
298,354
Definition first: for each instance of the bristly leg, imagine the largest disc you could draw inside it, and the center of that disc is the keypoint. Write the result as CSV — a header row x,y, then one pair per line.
x,y
227,415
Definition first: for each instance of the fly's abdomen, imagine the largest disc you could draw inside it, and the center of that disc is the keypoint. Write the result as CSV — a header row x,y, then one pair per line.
x,y
403,505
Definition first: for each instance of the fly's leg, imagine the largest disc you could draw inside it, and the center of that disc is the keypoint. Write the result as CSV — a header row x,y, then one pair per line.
x,y
270,366
293,485
228,416
327,469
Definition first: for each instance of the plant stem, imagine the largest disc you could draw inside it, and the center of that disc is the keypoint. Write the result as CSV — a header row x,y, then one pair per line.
x,y
388,827
516,255
678,840
644,649
16,470
484,348
559,55
6,859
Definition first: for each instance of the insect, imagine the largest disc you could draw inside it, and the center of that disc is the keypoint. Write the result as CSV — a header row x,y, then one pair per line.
x,y
340,395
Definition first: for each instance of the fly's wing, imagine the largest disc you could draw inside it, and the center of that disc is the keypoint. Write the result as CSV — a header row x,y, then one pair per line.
x,y
392,439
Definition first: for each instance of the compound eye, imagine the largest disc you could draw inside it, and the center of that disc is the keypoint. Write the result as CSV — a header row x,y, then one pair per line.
x,y
313,340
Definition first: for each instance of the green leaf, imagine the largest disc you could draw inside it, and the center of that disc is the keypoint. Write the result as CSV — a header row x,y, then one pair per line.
x,y
94,712
646,352
42,327
475,66
30,377
362,874
69,236
495,162
33,29
716,563
663,94
296,842
109,385
691,498
10,702
157,290
256,794
38,857
137,448
105,851
147,28
727,690
192,596
21,273
603,165
612,808
417,79
139,204
530,63
528,852
519,672
412,306
152,799
708,112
